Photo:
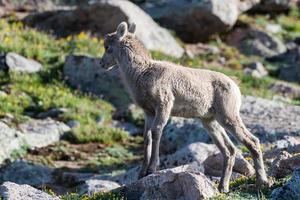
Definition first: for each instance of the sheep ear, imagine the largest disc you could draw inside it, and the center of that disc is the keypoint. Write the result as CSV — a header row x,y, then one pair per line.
x,y
132,28
122,30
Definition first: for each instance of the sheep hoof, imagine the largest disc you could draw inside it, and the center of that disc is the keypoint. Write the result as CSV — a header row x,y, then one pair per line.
x,y
223,189
264,183
151,171
142,174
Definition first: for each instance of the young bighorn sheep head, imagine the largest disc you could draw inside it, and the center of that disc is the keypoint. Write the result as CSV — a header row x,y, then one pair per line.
x,y
114,42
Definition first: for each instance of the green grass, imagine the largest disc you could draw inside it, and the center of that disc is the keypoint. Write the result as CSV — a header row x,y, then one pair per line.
x,y
96,196
244,189
113,157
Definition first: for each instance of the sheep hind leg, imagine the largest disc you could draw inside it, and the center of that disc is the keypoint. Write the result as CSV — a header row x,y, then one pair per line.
x,y
236,126
147,145
227,148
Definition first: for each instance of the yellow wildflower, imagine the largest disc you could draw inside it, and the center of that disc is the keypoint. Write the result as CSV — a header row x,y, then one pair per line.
x,y
94,39
6,40
69,38
82,36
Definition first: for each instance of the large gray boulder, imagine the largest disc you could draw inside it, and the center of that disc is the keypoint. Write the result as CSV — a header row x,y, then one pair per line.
x,y
196,21
13,191
184,182
290,190
251,41
86,74
23,172
31,134
106,16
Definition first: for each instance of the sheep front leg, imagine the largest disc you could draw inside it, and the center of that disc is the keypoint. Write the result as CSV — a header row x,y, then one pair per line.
x,y
161,118
147,145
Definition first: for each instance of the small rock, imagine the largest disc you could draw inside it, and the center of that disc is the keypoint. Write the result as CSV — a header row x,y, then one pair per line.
x,y
290,190
194,50
284,164
13,191
73,124
291,45
16,62
273,28
53,113
255,69
286,142
31,134
272,154
285,89
289,63
222,60
184,182
92,186
126,126
213,165
22,172
40,133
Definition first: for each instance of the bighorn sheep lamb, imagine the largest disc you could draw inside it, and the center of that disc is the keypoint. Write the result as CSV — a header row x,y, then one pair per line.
x,y
163,89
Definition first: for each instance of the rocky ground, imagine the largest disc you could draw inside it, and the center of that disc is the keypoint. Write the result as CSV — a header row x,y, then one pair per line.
x,y
68,129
